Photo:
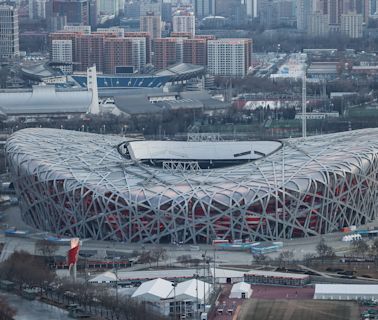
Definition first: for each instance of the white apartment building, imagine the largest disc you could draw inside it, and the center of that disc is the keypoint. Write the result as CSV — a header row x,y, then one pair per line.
x,y
184,23
9,41
229,57
62,52
351,25
138,52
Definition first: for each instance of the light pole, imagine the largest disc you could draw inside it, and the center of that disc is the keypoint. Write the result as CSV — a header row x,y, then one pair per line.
x,y
197,309
204,283
174,284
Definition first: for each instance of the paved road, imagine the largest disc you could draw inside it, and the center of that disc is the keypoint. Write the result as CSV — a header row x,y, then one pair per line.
x,y
34,310
299,247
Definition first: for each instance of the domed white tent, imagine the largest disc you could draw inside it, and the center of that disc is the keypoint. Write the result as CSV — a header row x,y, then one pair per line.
x,y
241,290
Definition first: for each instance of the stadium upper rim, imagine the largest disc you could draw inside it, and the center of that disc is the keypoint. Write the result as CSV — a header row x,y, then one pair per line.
x,y
86,157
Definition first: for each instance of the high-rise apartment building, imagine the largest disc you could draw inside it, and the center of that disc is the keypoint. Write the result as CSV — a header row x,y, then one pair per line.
x,y
229,57
108,7
251,8
152,24
195,51
150,6
204,8
61,51
165,52
351,25
9,41
148,41
334,10
317,24
37,9
124,52
104,48
304,9
184,23
77,12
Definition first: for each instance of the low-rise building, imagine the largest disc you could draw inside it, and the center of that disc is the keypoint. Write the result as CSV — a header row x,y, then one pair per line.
x,y
346,291
276,278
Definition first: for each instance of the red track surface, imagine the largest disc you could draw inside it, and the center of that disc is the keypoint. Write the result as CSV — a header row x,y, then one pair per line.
x,y
259,292
271,292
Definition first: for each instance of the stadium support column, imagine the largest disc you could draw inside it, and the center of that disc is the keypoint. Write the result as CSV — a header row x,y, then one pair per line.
x,y
92,86
304,102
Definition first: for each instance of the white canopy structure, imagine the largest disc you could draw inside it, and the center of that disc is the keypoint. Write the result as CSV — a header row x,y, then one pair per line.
x,y
241,290
191,290
106,277
154,290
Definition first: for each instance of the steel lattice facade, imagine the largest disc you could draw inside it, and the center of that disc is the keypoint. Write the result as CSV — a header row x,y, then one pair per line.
x,y
75,183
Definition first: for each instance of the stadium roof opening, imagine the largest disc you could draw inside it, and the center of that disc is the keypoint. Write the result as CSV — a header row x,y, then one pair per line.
x,y
207,154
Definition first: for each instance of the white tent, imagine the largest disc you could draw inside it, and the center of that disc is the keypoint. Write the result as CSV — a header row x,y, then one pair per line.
x,y
191,290
241,290
106,277
154,290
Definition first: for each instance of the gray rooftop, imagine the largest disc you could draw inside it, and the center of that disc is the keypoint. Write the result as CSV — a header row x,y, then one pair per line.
x,y
44,100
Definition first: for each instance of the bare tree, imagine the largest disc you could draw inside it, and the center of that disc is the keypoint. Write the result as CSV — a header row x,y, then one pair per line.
x,y
6,311
26,269
324,251
260,258
285,257
374,250
146,257
360,248
308,259
159,253
46,248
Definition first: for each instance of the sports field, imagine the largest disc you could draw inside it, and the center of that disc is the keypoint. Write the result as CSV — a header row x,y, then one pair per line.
x,y
298,310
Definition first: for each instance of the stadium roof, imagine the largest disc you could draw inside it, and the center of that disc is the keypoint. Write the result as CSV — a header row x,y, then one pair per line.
x,y
43,100
139,101
182,150
40,71
182,71
94,159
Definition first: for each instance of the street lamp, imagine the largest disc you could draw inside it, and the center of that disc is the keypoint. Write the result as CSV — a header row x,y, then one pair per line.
x,y
174,285
197,309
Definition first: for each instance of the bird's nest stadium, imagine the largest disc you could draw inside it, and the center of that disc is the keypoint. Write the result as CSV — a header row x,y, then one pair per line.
x,y
101,187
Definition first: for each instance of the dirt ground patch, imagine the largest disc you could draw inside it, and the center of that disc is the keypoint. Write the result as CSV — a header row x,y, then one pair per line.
x,y
298,310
